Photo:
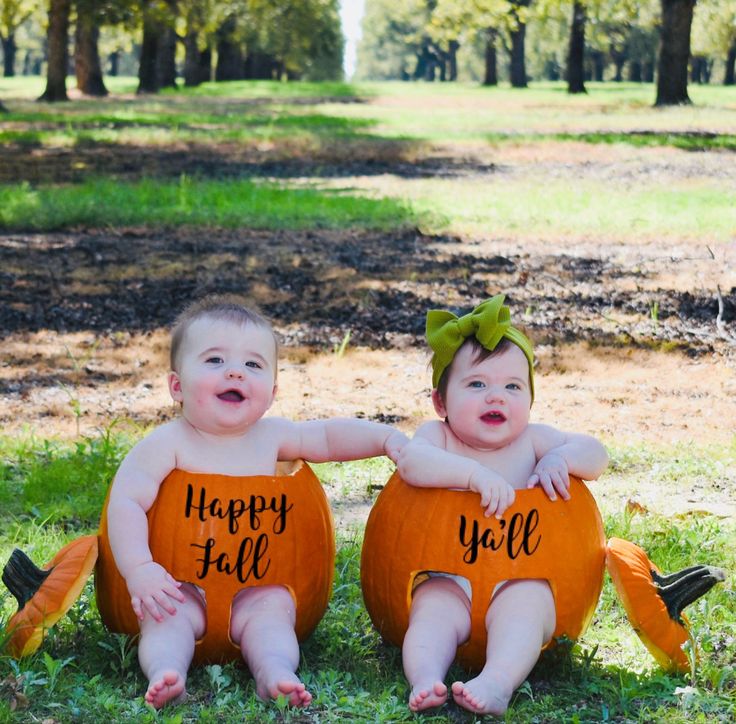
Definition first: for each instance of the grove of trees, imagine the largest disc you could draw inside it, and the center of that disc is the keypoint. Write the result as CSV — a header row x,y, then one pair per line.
x,y
670,41
209,39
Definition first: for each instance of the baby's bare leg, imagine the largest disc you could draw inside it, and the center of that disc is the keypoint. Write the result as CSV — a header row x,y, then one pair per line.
x,y
262,624
439,621
520,620
166,647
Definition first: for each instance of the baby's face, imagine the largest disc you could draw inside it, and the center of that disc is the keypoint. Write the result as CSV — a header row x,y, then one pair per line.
x,y
226,376
487,403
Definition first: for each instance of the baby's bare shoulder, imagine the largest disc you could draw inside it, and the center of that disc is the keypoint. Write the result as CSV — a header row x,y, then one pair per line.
x,y
434,431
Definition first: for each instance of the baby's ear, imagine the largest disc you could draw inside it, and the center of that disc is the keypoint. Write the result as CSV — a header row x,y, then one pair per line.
x,y
439,405
175,387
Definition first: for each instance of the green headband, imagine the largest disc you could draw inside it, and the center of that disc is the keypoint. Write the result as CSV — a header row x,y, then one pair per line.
x,y
489,323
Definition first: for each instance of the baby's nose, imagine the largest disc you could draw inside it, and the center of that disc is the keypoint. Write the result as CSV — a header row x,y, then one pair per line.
x,y
495,392
234,373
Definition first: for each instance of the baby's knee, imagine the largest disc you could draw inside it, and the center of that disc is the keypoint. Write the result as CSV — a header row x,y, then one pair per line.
x,y
440,593
256,601
195,608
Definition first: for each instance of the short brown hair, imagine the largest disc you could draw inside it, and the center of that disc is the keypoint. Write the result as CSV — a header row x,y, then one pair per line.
x,y
480,353
227,308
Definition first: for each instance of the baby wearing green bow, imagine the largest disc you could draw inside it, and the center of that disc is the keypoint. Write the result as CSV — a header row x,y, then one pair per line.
x,y
483,389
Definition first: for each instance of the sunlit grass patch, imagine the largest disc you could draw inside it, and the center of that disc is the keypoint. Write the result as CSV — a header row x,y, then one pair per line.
x,y
513,204
195,202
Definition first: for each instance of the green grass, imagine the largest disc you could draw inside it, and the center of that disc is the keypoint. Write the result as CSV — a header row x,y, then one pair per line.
x,y
400,126
535,204
190,201
83,673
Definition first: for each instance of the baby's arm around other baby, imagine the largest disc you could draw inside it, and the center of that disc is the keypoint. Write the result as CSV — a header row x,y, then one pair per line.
x,y
337,439
133,491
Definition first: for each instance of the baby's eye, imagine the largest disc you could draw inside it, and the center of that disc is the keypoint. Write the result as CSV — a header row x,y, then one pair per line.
x,y
513,386
476,384
253,363
214,360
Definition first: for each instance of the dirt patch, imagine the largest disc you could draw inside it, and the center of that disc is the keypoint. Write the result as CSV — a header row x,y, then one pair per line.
x,y
82,315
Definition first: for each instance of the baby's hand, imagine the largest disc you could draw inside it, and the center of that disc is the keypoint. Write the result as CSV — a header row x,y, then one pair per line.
x,y
394,444
151,589
495,493
552,474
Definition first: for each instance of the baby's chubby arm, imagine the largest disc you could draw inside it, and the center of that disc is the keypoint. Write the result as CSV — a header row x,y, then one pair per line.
x,y
133,491
336,439
426,463
561,454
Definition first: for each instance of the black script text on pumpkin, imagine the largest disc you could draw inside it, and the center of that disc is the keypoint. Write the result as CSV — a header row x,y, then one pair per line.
x,y
251,558
517,537
254,506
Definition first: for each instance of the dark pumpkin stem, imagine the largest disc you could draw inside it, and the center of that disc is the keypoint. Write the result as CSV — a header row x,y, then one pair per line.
x,y
23,577
680,589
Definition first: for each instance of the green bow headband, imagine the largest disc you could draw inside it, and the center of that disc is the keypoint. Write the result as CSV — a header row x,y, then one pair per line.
x,y
489,323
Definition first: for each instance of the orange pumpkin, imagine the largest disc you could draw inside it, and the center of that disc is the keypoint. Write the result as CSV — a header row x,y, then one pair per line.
x,y
45,595
225,533
654,602
561,542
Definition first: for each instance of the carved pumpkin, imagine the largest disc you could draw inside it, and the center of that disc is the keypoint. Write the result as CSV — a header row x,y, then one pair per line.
x,y
654,602
225,533
45,595
561,542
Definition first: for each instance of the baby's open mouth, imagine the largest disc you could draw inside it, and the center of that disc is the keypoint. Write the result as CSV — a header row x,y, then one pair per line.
x,y
231,396
494,417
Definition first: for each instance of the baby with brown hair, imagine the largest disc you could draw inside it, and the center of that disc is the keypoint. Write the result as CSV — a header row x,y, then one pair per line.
x,y
223,374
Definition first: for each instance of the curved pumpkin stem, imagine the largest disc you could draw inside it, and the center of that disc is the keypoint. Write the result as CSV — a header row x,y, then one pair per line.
x,y
23,577
680,589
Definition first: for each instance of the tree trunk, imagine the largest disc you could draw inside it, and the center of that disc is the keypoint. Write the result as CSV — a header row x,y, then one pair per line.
x,y
576,50
674,52
3,109
518,62
9,50
192,74
452,60
648,71
599,65
635,75
166,57
114,60
58,51
87,67
205,65
490,76
230,58
696,69
147,76
260,66
730,77
619,59
518,53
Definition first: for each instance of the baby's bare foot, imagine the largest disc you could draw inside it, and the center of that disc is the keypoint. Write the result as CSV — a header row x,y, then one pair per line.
x,y
285,684
422,698
164,687
482,695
